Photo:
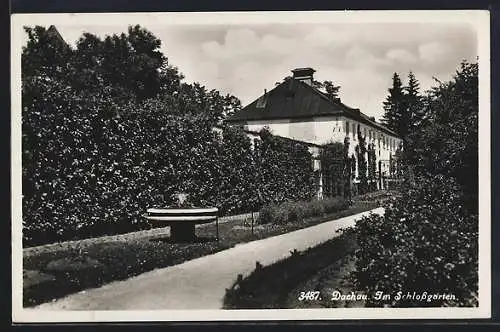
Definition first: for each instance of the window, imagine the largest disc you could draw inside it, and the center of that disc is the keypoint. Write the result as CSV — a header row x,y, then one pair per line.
x,y
347,128
364,132
354,131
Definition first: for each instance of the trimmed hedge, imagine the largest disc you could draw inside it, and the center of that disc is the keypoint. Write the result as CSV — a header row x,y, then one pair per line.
x,y
289,212
92,164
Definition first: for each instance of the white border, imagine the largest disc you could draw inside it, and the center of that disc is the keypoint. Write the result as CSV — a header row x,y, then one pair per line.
x,y
478,18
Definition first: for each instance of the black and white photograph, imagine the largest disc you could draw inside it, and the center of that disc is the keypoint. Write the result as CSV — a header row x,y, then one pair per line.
x,y
231,166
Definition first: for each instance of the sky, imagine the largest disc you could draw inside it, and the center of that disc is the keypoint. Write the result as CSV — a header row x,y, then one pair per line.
x,y
244,59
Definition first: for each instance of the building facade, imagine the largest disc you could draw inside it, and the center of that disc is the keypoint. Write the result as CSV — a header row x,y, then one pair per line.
x,y
296,109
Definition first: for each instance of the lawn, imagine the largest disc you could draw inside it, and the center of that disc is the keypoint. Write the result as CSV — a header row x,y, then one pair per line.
x,y
53,271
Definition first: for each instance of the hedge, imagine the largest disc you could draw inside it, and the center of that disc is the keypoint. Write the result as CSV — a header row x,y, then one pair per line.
x,y
93,164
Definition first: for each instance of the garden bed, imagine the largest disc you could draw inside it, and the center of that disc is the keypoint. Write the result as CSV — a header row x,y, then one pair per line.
x,y
54,271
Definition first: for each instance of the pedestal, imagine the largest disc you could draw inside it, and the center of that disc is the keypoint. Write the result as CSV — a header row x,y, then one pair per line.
x,y
182,232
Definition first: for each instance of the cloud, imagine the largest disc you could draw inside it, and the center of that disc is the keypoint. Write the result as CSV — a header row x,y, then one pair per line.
x,y
323,36
214,50
246,59
401,55
275,44
209,69
434,52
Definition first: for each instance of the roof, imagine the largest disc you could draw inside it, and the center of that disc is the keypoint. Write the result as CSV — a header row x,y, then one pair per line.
x,y
294,99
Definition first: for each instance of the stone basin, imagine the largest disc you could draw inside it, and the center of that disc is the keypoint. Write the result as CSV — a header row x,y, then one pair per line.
x,y
182,221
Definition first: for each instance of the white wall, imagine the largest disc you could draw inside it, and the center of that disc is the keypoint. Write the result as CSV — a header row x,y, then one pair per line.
x,y
322,130
277,127
303,131
319,130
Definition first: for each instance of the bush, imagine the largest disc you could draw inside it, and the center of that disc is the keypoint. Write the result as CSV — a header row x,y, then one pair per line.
x,y
426,241
281,213
333,205
297,211
267,215
316,208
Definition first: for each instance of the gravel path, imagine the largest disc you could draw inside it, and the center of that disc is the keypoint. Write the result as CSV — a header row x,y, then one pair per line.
x,y
199,283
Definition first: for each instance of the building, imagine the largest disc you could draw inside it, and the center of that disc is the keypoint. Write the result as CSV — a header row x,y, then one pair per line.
x,y
296,109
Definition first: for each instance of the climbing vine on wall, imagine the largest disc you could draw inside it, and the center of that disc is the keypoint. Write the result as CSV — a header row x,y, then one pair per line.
x,y
362,164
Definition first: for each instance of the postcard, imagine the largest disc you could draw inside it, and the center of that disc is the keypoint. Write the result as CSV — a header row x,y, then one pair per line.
x,y
229,166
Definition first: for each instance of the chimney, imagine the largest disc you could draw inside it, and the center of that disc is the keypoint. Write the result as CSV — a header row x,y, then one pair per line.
x,y
304,74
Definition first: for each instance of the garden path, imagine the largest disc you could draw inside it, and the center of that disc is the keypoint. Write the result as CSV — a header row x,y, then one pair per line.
x,y
199,283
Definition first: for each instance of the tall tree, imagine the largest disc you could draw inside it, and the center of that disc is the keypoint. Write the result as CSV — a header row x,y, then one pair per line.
x,y
414,102
414,115
45,52
395,117
130,62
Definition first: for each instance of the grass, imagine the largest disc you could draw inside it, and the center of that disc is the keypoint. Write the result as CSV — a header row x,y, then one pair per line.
x,y
51,272
279,285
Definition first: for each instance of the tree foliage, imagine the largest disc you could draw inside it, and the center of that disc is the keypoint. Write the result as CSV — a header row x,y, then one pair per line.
x,y
332,90
426,241
394,107
109,130
448,143
428,238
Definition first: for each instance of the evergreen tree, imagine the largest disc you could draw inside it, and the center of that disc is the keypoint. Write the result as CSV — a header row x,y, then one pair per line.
x,y
414,102
395,117
414,114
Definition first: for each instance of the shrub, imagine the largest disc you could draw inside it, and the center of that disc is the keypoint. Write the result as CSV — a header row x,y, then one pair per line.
x,y
316,208
333,205
426,241
281,213
266,215
297,211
